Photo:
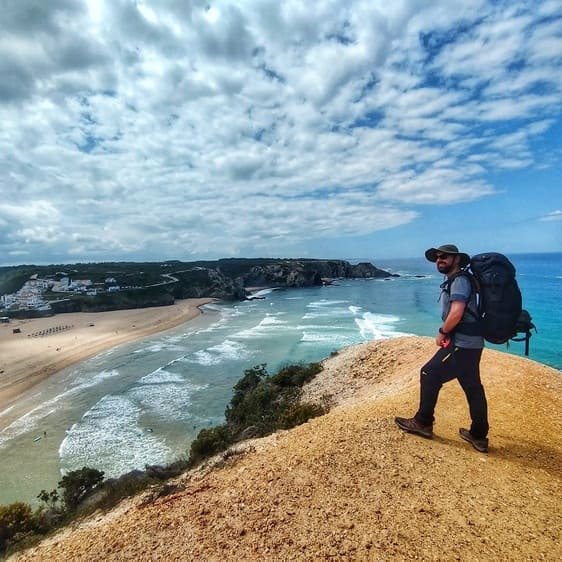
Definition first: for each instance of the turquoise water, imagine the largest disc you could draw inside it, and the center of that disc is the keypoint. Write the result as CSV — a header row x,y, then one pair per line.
x,y
144,402
540,279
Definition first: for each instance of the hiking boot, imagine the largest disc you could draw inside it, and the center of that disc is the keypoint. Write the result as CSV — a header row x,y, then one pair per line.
x,y
480,444
412,425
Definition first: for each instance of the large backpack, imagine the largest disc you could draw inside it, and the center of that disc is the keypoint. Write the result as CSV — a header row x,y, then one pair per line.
x,y
499,300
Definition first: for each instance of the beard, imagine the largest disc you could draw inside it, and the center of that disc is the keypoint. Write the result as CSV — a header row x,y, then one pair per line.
x,y
445,268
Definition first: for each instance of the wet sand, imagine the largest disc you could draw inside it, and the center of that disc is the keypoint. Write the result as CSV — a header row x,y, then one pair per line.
x,y
45,346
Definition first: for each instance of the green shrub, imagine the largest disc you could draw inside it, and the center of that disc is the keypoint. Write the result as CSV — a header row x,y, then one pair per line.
x,y
260,399
127,485
178,466
262,403
50,499
209,442
248,383
257,408
77,484
297,414
296,375
17,520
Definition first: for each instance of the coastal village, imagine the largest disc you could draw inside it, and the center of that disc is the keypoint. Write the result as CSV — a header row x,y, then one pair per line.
x,y
31,296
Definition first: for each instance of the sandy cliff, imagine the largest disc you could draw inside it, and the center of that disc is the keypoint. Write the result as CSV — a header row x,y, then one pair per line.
x,y
350,485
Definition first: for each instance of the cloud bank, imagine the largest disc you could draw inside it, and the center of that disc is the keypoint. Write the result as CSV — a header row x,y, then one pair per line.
x,y
173,129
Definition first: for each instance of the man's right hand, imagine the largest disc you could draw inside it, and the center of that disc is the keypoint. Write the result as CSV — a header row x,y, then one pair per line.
x,y
442,340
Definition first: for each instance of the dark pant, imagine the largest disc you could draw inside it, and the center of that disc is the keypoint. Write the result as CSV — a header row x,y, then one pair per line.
x,y
447,364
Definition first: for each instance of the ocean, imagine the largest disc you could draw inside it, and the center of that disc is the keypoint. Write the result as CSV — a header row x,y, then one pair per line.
x,y
144,402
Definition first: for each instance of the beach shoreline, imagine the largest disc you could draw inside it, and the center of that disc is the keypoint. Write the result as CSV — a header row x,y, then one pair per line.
x,y
45,346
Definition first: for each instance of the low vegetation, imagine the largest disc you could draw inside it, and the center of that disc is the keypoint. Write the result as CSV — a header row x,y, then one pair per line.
x,y
19,523
261,404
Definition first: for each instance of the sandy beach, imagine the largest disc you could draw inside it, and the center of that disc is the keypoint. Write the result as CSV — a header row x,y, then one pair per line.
x,y
44,346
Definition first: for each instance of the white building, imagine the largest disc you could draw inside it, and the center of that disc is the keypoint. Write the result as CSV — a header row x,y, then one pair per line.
x,y
8,300
62,285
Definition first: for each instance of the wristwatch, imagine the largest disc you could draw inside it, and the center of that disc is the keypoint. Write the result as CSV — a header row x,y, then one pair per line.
x,y
442,332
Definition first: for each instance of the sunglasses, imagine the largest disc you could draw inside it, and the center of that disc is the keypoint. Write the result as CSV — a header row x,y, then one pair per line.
x,y
442,256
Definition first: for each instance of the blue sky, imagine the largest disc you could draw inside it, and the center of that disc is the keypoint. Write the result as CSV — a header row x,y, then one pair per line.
x,y
152,130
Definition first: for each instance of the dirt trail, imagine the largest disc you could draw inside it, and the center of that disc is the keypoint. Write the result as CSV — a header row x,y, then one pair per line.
x,y
351,486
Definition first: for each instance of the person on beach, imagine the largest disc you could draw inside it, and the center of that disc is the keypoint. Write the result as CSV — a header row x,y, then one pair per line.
x,y
460,344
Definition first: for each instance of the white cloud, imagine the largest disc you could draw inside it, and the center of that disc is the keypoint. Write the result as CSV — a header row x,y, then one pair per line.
x,y
36,211
179,129
554,216
441,185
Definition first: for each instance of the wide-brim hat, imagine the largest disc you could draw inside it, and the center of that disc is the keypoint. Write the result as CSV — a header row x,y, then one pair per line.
x,y
451,249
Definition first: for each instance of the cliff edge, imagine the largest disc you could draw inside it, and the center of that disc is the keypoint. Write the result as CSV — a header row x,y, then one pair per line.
x,y
351,486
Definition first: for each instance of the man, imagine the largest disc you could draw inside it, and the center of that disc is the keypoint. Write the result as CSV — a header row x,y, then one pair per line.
x,y
460,347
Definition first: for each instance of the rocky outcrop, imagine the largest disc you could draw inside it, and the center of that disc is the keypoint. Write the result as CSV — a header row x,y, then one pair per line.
x,y
369,271
200,282
282,275
307,273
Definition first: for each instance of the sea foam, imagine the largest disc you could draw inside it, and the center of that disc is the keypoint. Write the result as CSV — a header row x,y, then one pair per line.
x,y
378,326
109,438
228,350
162,376
269,326
164,400
28,422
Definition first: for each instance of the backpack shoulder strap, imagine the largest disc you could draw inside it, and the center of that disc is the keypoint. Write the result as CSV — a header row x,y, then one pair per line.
x,y
446,286
473,287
